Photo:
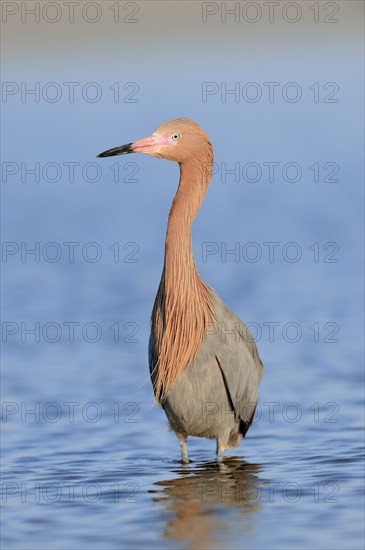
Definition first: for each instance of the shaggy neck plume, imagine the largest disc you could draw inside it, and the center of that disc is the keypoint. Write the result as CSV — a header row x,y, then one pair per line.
x,y
183,306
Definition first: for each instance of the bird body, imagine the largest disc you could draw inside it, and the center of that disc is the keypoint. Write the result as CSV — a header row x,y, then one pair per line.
x,y
215,396
204,364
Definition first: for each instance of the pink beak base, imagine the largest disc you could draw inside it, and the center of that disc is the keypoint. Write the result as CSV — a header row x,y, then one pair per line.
x,y
150,144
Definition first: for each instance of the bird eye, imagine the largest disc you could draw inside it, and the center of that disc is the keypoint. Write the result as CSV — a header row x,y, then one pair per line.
x,y
175,137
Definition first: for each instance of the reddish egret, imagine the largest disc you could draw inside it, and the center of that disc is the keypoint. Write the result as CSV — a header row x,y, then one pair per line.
x,y
204,364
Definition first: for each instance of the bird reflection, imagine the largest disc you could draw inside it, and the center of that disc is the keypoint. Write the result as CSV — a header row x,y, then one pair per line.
x,y
197,500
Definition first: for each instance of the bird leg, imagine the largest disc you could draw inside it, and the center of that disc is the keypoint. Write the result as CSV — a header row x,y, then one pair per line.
x,y
184,449
220,451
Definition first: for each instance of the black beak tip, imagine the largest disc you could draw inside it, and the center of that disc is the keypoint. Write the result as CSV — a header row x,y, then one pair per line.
x,y
123,150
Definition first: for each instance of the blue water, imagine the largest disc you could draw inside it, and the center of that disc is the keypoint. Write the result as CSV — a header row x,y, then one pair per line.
x,y
88,460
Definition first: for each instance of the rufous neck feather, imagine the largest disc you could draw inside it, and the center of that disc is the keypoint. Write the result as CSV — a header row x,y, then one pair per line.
x,y
183,306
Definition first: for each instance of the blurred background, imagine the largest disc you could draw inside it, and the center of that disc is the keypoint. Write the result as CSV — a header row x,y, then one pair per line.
x,y
88,460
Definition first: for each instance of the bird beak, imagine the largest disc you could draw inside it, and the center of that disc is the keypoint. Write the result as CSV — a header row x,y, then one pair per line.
x,y
148,145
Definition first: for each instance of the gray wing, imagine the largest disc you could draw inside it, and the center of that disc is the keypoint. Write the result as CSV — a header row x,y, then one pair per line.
x,y
239,361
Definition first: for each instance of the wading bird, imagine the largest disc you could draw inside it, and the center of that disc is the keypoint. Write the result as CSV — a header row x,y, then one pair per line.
x,y
204,364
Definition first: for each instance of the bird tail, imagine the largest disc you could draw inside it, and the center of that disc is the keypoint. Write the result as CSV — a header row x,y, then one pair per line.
x,y
244,426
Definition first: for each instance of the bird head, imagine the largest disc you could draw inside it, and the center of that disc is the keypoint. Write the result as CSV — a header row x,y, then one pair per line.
x,y
178,140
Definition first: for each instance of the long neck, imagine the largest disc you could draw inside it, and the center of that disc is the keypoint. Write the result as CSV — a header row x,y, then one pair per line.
x,y
179,259
183,305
